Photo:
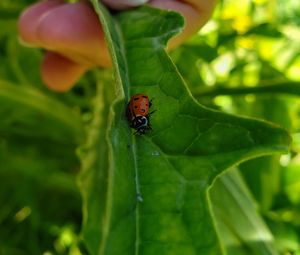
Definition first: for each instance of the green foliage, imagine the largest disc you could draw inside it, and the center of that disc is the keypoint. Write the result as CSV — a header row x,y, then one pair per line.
x,y
39,133
160,198
246,62
166,192
238,223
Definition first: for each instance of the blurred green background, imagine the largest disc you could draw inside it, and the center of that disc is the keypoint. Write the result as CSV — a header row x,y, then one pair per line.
x,y
245,61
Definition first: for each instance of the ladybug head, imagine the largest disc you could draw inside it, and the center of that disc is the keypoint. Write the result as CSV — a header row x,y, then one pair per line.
x,y
139,121
140,124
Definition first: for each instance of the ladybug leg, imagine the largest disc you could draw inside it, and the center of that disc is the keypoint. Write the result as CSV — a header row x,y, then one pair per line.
x,y
149,127
151,112
139,132
150,102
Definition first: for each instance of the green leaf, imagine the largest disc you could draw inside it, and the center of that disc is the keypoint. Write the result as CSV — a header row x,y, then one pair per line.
x,y
29,157
94,170
148,194
23,109
286,237
291,182
289,88
239,225
189,57
263,177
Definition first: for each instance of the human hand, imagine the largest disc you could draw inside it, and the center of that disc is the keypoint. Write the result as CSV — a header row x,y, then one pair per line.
x,y
74,38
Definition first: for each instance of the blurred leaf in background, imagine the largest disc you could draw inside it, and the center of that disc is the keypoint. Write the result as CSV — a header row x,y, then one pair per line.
x,y
39,132
246,61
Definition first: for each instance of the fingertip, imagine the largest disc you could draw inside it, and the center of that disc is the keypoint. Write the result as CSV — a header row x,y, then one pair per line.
x,y
29,20
74,31
59,73
195,12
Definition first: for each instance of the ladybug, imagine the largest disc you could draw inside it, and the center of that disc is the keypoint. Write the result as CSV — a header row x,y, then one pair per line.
x,y
137,113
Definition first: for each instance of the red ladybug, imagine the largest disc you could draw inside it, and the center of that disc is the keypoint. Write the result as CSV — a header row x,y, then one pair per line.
x,y
137,113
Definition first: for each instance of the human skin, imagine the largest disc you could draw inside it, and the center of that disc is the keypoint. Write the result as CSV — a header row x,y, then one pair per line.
x,y
74,40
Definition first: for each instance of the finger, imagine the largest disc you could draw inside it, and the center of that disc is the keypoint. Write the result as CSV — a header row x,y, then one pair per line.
x,y
74,31
59,73
29,20
195,12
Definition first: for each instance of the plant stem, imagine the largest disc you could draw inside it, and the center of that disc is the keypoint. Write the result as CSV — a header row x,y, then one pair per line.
x,y
292,88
